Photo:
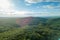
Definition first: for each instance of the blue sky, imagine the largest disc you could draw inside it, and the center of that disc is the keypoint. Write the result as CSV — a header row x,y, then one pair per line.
x,y
22,8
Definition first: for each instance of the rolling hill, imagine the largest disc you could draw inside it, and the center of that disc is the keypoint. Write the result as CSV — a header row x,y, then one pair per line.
x,y
29,28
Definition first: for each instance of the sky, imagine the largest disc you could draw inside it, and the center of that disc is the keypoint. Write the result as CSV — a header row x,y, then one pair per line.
x,y
24,8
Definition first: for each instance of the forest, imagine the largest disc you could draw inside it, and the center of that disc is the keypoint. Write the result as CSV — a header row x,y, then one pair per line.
x,y
29,28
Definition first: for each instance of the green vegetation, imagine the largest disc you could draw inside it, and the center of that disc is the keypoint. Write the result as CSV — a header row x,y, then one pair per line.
x,y
37,29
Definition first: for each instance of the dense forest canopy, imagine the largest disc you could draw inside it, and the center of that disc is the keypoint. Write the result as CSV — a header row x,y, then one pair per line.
x,y
29,28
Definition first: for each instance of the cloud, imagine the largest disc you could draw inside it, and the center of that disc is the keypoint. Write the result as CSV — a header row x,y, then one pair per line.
x,y
33,1
6,6
52,0
28,4
7,9
48,6
51,7
36,1
43,14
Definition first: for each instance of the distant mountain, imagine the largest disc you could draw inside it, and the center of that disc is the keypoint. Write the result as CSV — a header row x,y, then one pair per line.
x,y
10,23
30,21
52,23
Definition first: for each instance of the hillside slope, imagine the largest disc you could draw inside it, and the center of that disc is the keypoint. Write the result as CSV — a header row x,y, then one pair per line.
x,y
31,21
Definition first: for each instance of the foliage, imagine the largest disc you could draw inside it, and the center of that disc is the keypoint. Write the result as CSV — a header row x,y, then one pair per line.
x,y
44,30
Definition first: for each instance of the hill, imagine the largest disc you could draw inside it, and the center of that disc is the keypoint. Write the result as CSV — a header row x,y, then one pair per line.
x,y
31,21
30,28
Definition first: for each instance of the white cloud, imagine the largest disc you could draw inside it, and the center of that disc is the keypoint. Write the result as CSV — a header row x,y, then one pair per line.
x,y
52,0
28,4
48,6
21,12
5,5
6,9
36,1
51,7
43,14
33,1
